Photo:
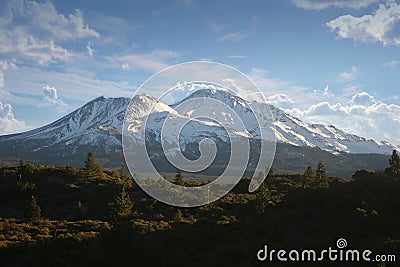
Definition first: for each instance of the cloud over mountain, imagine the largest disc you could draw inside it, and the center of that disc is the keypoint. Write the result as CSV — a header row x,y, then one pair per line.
x,y
51,97
362,114
8,123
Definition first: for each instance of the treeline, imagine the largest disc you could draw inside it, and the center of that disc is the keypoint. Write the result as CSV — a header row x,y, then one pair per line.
x,y
113,188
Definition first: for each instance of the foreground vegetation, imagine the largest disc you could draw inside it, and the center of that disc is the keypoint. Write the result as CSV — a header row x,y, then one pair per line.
x,y
64,216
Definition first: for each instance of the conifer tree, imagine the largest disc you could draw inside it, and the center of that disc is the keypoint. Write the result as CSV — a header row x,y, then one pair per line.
x,y
90,162
308,177
33,211
322,178
91,165
263,198
123,173
121,207
178,177
28,169
394,163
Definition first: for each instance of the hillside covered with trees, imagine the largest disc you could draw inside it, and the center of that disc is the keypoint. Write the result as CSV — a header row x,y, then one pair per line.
x,y
66,216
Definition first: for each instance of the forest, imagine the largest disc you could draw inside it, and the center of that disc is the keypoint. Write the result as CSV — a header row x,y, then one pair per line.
x,y
92,216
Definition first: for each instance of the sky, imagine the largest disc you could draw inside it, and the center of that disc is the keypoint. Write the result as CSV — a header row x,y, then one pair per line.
x,y
335,62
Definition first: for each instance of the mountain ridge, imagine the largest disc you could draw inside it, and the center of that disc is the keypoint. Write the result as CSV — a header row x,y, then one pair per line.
x,y
97,126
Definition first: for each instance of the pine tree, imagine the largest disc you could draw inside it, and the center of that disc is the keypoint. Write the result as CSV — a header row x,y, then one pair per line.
x,y
308,177
123,173
322,178
28,169
263,198
33,211
121,207
90,162
394,163
91,165
178,177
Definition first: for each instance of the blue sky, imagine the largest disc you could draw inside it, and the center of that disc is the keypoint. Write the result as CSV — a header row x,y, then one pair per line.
x,y
334,62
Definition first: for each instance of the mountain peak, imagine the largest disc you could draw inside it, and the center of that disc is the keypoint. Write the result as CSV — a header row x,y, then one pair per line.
x,y
97,99
224,96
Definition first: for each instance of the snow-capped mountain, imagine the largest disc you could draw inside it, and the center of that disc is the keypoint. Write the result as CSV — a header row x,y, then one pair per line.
x,y
97,126
227,109
287,129
97,123
291,130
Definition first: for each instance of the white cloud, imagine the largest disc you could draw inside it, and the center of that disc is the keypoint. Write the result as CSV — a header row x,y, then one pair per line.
x,y
237,56
30,30
382,26
45,20
205,59
234,37
326,92
89,49
8,123
50,94
362,99
125,66
324,109
348,76
38,50
391,64
281,101
243,91
153,61
323,4
51,97
362,115
353,111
